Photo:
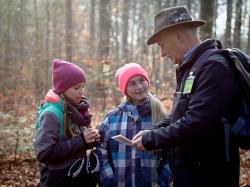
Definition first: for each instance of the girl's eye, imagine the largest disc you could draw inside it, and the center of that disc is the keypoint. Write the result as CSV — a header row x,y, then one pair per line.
x,y
78,87
132,84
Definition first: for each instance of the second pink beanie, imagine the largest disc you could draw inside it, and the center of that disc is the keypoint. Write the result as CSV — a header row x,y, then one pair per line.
x,y
126,72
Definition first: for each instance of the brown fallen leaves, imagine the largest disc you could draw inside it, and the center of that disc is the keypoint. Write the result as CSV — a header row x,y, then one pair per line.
x,y
245,168
23,171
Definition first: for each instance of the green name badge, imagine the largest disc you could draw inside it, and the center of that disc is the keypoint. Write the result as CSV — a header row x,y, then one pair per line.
x,y
188,84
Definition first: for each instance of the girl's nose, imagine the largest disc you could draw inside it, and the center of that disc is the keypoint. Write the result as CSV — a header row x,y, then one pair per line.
x,y
81,91
139,85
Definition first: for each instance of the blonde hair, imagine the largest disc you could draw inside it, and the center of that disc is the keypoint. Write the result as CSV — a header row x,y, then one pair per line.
x,y
158,110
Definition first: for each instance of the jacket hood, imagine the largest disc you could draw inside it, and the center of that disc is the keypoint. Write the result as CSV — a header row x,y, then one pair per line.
x,y
52,97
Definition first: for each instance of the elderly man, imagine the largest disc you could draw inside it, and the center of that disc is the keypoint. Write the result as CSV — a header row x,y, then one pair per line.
x,y
206,92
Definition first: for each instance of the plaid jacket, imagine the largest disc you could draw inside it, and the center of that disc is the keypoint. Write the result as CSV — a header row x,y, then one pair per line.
x,y
122,165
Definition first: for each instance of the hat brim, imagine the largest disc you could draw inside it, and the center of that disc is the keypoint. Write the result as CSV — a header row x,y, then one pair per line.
x,y
152,38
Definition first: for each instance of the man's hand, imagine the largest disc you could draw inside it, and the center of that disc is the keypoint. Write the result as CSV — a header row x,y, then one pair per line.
x,y
138,144
137,140
139,134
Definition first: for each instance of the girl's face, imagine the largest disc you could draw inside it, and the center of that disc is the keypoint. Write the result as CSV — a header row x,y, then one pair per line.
x,y
137,89
75,92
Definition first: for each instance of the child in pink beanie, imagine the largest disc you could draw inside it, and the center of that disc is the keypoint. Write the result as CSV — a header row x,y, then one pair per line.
x,y
128,71
60,138
122,165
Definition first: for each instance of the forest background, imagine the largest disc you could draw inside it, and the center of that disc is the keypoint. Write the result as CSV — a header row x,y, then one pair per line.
x,y
99,36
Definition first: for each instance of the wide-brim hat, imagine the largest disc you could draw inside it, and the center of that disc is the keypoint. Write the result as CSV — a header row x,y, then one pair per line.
x,y
172,17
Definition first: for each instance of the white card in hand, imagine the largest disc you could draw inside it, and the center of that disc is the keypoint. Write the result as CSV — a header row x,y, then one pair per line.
x,y
122,139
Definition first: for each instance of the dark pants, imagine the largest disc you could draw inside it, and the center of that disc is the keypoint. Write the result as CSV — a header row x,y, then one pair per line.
x,y
51,178
59,178
207,176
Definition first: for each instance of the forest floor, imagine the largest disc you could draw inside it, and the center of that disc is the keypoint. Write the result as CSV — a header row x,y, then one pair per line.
x,y
22,170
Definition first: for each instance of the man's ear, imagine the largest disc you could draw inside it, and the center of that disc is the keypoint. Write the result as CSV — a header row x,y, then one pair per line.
x,y
179,35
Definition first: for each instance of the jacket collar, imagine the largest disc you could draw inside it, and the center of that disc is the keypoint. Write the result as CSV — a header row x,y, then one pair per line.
x,y
193,54
135,111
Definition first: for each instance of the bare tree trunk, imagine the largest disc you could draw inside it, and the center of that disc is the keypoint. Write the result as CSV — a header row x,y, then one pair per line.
x,y
36,69
47,66
7,57
115,51
92,23
125,13
245,26
133,33
103,46
155,60
189,5
214,19
141,33
59,45
248,36
237,25
207,14
55,33
69,30
104,26
19,67
228,41
21,34
175,2
167,3
114,33
17,139
158,5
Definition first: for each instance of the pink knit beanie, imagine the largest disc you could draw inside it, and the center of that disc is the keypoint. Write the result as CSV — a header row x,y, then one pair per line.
x,y
65,75
126,72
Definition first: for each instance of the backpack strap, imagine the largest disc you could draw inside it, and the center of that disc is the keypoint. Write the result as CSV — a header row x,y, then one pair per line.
x,y
227,130
54,109
241,62
196,65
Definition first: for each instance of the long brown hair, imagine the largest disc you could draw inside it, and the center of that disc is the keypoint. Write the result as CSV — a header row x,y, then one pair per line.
x,y
66,121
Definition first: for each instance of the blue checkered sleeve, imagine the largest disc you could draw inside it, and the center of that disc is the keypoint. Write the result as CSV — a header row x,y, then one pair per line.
x,y
106,172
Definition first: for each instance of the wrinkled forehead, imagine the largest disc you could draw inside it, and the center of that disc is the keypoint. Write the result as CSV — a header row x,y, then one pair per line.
x,y
164,36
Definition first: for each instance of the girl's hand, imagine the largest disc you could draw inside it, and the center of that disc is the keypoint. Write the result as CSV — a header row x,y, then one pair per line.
x,y
91,135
